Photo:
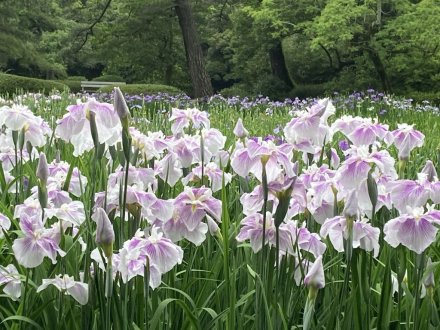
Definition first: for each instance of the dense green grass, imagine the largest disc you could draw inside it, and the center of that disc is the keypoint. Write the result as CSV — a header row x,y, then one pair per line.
x,y
222,284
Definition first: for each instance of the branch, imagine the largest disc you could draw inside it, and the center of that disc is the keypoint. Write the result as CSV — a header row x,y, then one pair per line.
x,y
89,30
328,55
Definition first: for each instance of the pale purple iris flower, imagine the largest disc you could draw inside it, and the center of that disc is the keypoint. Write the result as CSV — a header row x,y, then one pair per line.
x,y
10,277
406,138
365,236
151,207
184,118
38,242
252,230
190,207
162,254
253,202
151,145
169,169
290,235
74,127
415,229
5,224
214,174
72,213
359,162
310,127
143,178
58,175
362,131
20,118
247,159
413,193
67,284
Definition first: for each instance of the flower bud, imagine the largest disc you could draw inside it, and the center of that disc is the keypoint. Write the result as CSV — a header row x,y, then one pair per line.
x,y
105,236
428,280
240,131
42,169
315,276
58,156
29,147
121,107
351,205
430,171
372,190
93,129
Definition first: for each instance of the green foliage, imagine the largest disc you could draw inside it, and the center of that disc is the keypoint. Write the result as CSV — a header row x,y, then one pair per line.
x,y
109,77
74,85
304,91
421,97
10,84
143,89
349,44
77,78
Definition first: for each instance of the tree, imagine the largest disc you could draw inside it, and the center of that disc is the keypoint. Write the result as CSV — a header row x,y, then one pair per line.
x,y
194,55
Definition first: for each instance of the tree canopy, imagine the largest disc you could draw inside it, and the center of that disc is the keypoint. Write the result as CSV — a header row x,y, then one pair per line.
x,y
272,47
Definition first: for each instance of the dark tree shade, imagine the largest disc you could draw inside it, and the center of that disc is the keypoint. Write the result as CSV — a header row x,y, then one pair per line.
x,y
194,55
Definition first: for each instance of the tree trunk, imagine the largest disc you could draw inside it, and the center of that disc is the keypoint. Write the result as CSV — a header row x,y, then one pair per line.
x,y
278,64
380,69
194,56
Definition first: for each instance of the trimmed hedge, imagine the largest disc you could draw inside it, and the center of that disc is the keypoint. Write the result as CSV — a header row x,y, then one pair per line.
x,y
74,85
144,89
109,77
419,97
10,84
77,78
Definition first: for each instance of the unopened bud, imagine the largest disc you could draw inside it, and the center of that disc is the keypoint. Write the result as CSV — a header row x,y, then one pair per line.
x,y
94,129
430,171
240,131
428,280
351,205
372,190
121,107
42,169
105,235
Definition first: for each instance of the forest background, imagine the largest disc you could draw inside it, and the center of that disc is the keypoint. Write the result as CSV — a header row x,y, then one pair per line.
x,y
276,48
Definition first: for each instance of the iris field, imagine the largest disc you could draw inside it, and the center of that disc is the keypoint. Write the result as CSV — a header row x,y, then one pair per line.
x,y
161,212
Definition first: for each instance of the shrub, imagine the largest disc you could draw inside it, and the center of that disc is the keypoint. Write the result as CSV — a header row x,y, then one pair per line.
x,y
304,91
74,85
10,84
419,97
234,90
143,89
109,77
77,78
